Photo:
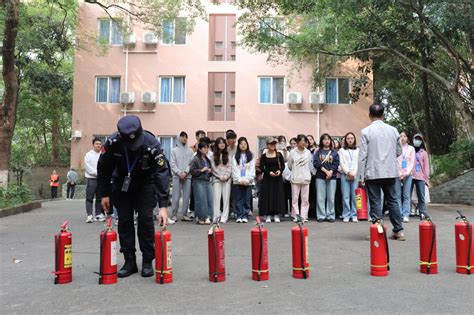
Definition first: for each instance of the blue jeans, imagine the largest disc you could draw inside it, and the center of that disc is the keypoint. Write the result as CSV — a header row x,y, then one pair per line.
x,y
348,197
242,199
326,191
420,193
388,186
404,195
202,191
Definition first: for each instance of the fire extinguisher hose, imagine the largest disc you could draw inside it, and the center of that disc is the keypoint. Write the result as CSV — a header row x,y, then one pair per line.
x,y
102,244
386,246
303,258
216,260
433,233
57,259
469,237
260,252
162,257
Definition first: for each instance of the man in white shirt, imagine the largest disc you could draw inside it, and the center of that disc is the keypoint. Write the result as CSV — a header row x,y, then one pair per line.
x,y
90,163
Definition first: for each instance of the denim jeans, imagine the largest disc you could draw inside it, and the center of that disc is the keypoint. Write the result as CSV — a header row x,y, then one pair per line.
x,y
202,191
242,199
404,195
388,186
420,193
326,191
348,197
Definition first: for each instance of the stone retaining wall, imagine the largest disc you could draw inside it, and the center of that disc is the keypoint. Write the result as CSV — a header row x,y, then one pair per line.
x,y
457,191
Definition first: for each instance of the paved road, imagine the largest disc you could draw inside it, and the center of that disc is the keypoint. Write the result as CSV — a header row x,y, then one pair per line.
x,y
339,283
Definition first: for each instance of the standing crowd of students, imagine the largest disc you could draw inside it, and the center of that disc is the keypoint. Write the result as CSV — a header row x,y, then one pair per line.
x,y
216,178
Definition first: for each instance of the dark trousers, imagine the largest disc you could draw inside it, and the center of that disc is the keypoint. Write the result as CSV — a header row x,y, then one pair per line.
x,y
142,201
388,186
93,191
70,191
338,199
54,192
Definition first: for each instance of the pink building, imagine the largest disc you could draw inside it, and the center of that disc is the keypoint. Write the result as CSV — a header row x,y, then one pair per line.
x,y
202,80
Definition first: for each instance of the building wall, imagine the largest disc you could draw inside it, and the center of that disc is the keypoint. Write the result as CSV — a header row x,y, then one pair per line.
x,y
194,61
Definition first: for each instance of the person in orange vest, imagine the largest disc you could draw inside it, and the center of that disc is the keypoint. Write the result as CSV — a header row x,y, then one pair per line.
x,y
54,183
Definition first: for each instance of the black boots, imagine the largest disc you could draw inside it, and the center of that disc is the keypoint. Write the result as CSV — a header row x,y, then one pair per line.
x,y
129,268
147,269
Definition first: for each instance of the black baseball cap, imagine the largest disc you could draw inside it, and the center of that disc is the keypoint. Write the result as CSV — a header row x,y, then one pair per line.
x,y
131,131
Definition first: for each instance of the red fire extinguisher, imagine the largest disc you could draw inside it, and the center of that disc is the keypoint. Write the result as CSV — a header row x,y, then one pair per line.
x,y
259,242
216,249
361,203
464,245
163,263
379,252
108,255
299,241
428,259
63,255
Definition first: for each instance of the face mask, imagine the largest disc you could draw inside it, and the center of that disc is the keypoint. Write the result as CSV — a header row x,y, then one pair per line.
x,y
417,143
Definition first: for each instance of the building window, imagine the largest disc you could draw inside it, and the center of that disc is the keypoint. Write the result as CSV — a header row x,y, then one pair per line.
x,y
172,89
174,31
232,57
219,45
232,95
217,108
337,90
103,138
167,144
262,144
107,90
219,58
273,26
109,32
232,44
218,94
232,108
271,90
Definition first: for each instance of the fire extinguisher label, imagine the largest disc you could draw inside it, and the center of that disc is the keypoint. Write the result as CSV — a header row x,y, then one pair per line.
x,y
168,255
358,202
113,253
307,249
67,256
221,255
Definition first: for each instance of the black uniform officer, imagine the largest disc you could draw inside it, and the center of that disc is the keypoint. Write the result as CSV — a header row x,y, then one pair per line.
x,y
133,172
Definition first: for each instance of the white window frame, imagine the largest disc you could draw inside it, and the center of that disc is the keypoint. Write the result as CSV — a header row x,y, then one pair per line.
x,y
337,90
172,89
271,89
173,142
173,43
108,77
109,42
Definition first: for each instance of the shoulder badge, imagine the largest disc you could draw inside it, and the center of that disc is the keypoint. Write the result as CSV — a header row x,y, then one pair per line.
x,y
160,160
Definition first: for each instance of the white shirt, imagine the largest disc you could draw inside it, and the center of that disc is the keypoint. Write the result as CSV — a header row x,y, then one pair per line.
x,y
348,159
90,163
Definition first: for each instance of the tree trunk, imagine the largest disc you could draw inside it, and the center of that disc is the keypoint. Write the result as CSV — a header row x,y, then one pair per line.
x,y
54,141
10,79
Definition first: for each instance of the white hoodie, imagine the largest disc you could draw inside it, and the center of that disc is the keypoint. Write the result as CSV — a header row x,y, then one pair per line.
x,y
301,166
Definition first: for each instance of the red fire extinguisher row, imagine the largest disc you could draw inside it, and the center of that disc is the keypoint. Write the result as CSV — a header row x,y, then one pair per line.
x,y
299,242
361,203
163,263
63,255
108,255
428,259
379,252
216,250
259,242
464,245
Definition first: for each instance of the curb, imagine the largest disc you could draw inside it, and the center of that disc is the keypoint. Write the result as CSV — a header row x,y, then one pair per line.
x,y
26,207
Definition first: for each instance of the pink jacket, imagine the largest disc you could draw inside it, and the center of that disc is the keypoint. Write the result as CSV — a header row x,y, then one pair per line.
x,y
421,170
408,154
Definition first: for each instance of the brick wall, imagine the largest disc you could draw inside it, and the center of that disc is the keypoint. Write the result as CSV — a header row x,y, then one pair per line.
x,y
457,191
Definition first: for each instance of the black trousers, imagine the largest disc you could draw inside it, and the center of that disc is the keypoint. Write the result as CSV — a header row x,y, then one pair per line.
x,y
142,201
70,191
54,192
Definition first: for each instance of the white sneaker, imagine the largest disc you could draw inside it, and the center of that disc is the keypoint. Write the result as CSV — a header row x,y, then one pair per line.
x,y
346,220
405,220
171,221
268,219
276,219
208,221
355,220
116,222
305,220
245,220
295,220
100,218
89,219
286,215
238,220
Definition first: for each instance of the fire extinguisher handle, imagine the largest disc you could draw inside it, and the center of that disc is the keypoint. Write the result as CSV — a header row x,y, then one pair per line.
x,y
64,225
461,216
109,222
259,221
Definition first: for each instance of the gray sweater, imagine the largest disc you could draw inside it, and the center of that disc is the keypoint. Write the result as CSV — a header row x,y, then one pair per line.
x,y
181,156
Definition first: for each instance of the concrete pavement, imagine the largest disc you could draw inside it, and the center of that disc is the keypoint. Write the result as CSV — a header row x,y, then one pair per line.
x,y
339,282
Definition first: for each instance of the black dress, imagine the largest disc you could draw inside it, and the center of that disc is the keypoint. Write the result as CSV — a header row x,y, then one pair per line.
x,y
272,196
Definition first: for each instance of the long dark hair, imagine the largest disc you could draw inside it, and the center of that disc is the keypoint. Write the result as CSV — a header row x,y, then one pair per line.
x,y
346,146
238,153
218,153
323,136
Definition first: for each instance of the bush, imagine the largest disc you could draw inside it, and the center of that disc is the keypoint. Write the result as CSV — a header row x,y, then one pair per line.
x,y
14,195
459,158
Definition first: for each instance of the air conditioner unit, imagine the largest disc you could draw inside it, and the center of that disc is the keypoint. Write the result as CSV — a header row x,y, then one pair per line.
x,y
316,98
150,39
76,134
127,98
129,40
149,98
293,98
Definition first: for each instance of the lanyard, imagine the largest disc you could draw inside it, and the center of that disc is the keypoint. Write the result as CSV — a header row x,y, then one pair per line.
x,y
404,153
130,167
